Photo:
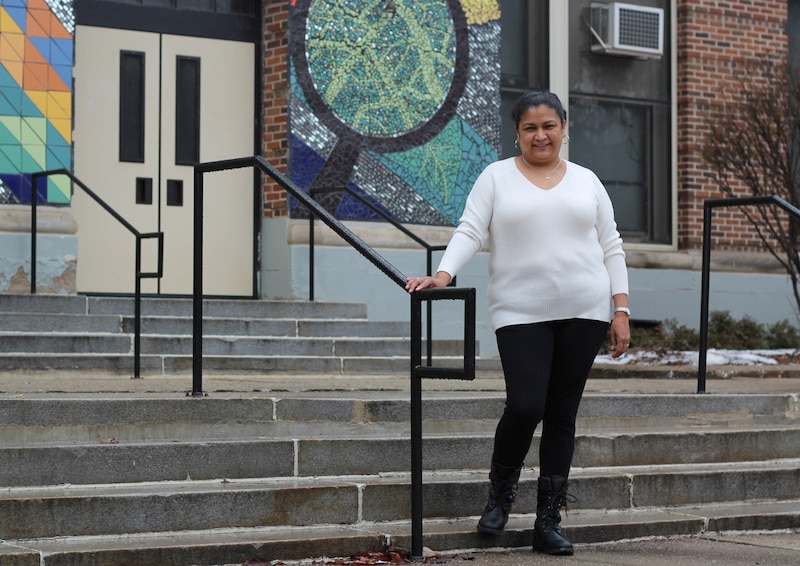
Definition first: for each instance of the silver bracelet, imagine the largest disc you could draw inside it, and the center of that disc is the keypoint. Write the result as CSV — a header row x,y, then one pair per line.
x,y
626,310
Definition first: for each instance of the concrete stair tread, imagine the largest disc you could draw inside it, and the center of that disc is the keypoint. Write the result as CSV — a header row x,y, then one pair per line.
x,y
235,545
430,477
198,433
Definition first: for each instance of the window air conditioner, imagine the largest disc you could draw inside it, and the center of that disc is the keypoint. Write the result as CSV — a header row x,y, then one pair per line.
x,y
627,29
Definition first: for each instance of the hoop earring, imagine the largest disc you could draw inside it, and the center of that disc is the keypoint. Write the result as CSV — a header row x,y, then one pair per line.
x,y
516,143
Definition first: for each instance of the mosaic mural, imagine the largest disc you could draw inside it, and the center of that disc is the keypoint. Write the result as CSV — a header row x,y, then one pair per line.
x,y
36,57
397,100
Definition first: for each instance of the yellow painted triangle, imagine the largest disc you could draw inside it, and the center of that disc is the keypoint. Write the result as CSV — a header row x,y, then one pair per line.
x,y
12,46
64,127
16,69
59,104
39,99
7,23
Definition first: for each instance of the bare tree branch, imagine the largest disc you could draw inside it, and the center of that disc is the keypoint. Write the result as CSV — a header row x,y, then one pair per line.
x,y
753,144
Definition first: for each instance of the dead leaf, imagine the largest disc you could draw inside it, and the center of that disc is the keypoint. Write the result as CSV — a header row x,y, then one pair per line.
x,y
109,441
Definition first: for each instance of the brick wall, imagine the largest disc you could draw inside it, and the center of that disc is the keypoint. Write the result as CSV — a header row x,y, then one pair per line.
x,y
715,38
275,104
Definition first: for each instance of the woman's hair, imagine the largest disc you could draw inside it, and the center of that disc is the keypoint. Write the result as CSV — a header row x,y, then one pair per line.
x,y
534,99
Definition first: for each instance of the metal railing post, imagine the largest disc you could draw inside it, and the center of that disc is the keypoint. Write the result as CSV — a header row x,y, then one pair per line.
x,y
429,320
416,431
137,312
311,256
708,205
197,296
34,228
704,291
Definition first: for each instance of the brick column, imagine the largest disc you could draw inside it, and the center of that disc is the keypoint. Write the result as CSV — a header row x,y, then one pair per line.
x,y
275,103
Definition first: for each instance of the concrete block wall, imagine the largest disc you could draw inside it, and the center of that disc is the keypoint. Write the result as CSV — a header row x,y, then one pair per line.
x,y
57,250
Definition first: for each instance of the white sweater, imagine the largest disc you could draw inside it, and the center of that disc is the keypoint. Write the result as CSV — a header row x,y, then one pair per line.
x,y
554,254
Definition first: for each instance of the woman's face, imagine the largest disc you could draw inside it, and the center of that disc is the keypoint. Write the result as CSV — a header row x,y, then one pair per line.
x,y
540,133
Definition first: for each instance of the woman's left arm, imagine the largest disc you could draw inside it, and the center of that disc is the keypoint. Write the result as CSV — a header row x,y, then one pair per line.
x,y
620,331
614,259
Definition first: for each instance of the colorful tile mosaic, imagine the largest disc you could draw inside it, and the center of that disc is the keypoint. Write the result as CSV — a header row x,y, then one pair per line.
x,y
36,57
398,100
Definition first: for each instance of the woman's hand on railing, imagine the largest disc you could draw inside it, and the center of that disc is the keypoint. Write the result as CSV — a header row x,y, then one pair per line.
x,y
440,281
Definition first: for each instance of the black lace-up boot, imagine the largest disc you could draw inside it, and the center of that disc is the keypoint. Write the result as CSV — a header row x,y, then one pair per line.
x,y
502,492
547,535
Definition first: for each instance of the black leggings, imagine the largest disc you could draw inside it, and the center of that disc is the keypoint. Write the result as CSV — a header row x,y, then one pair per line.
x,y
546,366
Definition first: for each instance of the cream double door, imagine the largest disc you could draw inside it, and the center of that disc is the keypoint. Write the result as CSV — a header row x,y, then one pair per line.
x,y
147,106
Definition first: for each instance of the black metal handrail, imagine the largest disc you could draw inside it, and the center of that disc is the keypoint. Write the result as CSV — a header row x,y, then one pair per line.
x,y
417,370
429,249
137,297
708,207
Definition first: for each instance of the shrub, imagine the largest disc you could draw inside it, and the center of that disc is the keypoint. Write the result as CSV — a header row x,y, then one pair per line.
x,y
724,332
782,335
680,338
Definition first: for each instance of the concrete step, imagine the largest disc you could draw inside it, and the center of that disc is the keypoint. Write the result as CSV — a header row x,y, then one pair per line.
x,y
97,333
103,509
230,308
288,451
183,326
62,323
235,546
122,364
60,304
68,417
157,306
307,328
36,343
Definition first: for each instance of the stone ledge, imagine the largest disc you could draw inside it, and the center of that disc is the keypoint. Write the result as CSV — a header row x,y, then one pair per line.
x,y
380,235
49,219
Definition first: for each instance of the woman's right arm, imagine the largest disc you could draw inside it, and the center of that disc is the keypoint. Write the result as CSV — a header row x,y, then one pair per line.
x,y
468,238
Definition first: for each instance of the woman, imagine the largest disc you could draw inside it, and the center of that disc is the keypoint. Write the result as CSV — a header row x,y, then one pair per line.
x,y
555,267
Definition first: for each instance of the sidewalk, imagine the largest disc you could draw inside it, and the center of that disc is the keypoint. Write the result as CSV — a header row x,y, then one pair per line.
x,y
779,548
763,549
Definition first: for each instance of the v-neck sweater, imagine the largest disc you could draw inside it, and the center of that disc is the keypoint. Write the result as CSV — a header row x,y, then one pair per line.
x,y
553,254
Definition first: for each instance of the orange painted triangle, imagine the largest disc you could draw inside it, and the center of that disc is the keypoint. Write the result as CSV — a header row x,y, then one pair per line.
x,y
47,22
54,81
33,28
32,54
34,77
